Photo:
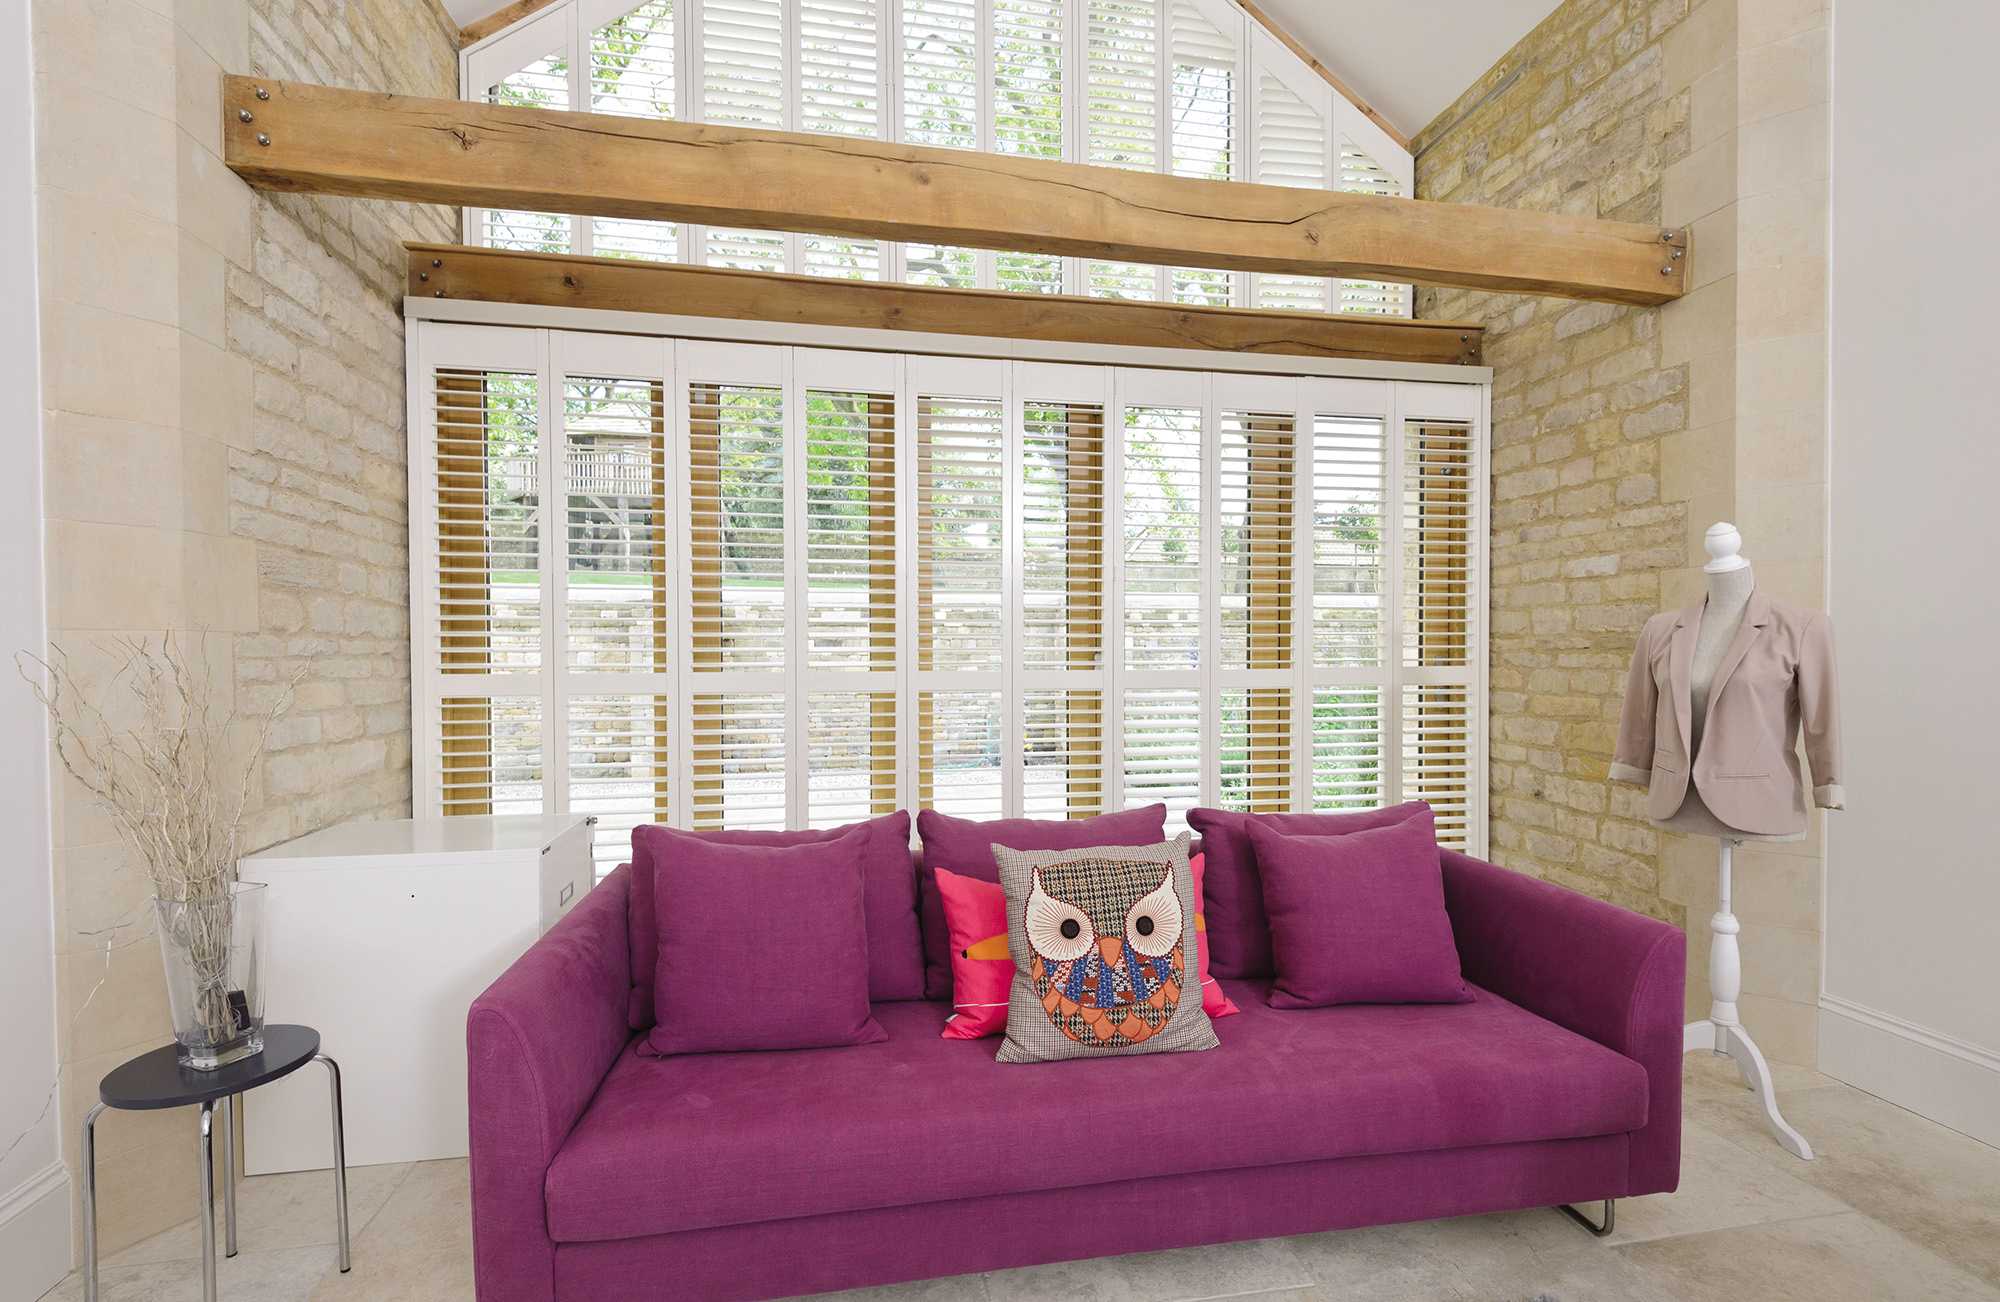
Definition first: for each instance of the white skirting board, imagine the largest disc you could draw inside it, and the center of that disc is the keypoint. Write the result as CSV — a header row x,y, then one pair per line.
x,y
1953,1083
35,1235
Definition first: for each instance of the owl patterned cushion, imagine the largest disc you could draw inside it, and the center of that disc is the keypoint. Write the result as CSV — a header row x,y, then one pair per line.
x,y
1103,941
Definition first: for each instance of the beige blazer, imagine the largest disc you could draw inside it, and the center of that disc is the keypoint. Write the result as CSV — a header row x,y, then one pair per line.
x,y
1775,679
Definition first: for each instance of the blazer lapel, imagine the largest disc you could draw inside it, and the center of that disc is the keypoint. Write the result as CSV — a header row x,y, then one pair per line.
x,y
1680,661
1755,616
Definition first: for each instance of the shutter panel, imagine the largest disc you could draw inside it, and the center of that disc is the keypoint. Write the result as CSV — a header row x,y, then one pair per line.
x,y
959,741
960,516
615,603
1121,118
1437,542
961,622
485,472
940,106
1437,756
542,84
1160,739
1202,128
850,552
850,757
1347,749
619,763
738,624
1256,742
1291,150
1257,465
631,73
614,546
743,85
840,93
1162,538
1030,74
1350,474
1360,174
1060,644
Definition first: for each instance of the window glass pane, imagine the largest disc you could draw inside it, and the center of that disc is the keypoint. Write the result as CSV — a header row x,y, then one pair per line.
x,y
1162,537
614,546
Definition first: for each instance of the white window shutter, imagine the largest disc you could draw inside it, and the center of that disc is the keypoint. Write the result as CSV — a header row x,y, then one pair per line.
x,y
631,69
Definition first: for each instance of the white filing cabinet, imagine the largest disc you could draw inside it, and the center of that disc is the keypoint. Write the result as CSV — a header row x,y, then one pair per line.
x,y
380,937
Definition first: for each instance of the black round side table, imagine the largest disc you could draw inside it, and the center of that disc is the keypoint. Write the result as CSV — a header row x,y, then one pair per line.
x,y
158,1080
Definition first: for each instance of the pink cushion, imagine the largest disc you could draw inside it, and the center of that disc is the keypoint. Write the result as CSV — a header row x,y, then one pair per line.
x,y
975,915
895,956
1237,929
761,947
1358,919
966,847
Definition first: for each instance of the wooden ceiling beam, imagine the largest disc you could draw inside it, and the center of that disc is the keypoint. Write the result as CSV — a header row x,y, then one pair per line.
x,y
481,275
292,136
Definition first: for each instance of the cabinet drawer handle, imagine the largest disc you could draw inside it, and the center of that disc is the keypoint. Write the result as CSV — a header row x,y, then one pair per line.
x,y
568,891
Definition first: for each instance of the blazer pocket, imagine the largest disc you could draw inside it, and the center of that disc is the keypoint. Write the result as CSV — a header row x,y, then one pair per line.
x,y
1658,753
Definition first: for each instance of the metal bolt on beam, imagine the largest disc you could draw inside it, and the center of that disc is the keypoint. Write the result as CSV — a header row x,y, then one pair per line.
x,y
262,93
243,115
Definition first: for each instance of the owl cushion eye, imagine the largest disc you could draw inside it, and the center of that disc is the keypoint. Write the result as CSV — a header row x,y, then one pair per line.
x,y
1058,932
1153,923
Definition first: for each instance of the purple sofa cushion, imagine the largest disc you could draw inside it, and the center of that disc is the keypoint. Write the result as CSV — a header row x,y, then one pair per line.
x,y
666,1144
1239,936
1358,919
761,947
965,846
895,956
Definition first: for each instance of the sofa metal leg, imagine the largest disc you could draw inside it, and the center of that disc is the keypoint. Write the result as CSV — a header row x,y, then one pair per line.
x,y
1610,1217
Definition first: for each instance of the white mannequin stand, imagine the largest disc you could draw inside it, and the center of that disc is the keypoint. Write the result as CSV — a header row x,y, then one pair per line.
x,y
1721,1032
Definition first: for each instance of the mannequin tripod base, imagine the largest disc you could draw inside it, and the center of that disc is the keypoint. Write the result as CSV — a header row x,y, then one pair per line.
x,y
1732,1041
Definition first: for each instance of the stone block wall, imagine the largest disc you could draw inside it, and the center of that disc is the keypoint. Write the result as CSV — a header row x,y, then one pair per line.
x,y
1620,434
222,424
1576,119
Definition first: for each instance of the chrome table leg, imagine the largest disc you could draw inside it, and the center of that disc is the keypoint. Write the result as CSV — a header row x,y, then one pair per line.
x,y
207,1157
1610,1217
90,1204
229,1175
339,1159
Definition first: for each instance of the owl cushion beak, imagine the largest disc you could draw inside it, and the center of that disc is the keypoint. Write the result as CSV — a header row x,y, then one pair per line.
x,y
1112,948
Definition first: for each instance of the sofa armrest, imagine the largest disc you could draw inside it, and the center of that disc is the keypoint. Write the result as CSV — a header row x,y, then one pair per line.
x,y
1604,972
538,1044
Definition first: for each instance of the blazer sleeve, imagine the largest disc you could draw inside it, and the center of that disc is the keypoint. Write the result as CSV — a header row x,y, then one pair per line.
x,y
1632,761
1819,712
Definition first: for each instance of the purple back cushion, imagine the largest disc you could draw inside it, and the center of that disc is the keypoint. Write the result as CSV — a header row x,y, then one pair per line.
x,y
1360,918
1239,937
889,897
966,847
761,947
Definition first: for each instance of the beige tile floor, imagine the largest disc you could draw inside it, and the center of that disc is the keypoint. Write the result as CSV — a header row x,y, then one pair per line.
x,y
1895,1208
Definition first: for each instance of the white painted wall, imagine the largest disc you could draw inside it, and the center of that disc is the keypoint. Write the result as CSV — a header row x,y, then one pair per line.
x,y
1913,877
34,1188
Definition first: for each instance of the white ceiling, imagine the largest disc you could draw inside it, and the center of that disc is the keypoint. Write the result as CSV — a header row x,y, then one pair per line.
x,y
1408,58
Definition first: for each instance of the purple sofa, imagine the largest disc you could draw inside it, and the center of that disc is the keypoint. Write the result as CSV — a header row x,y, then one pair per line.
x,y
601,1174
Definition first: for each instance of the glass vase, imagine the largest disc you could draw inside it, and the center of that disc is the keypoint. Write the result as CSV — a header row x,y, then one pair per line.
x,y
213,949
